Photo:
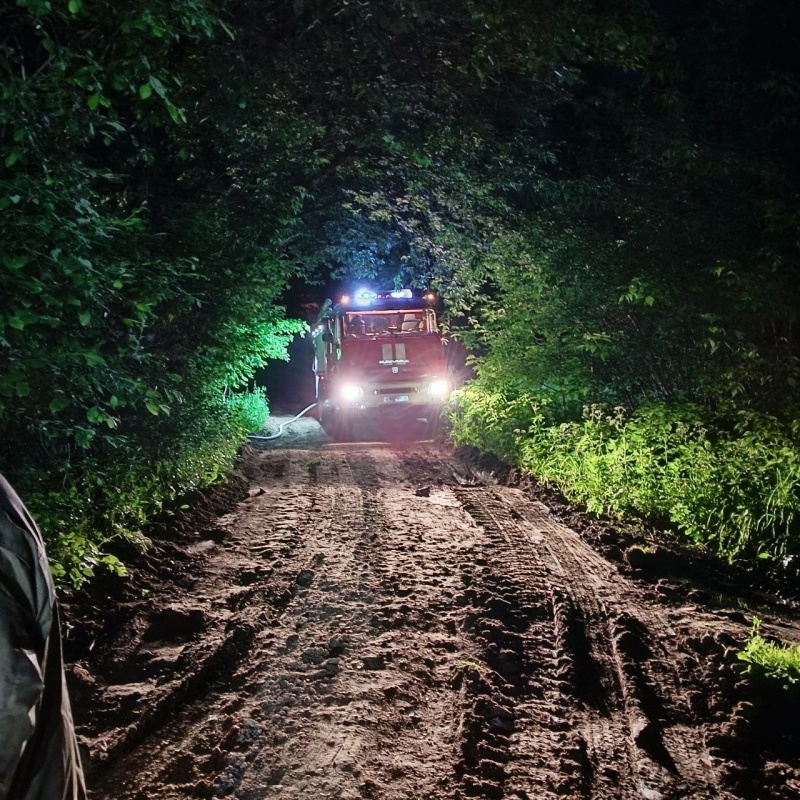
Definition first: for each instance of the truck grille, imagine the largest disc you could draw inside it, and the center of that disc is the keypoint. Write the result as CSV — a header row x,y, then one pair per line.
x,y
398,390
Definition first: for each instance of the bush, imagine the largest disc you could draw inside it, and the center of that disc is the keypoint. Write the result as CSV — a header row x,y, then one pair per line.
x,y
102,497
730,484
774,662
249,409
496,420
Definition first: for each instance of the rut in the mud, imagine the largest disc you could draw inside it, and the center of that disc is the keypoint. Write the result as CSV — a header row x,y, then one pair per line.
x,y
371,622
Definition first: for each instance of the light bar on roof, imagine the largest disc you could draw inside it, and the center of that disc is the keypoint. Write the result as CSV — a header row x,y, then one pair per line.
x,y
401,293
364,296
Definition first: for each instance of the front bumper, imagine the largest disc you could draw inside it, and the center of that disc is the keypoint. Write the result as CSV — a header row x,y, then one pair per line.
x,y
373,396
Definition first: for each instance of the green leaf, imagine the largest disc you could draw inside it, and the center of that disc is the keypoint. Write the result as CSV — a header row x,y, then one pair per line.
x,y
153,408
59,403
178,115
85,318
15,262
75,6
84,436
158,87
27,317
145,91
94,359
93,101
16,323
22,389
12,158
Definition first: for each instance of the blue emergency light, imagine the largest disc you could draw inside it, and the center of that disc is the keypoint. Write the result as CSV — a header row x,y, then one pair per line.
x,y
365,296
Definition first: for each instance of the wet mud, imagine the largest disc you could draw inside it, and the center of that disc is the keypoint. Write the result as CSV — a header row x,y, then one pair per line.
x,y
388,620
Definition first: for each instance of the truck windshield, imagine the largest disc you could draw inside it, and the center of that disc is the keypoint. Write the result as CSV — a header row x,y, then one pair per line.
x,y
389,323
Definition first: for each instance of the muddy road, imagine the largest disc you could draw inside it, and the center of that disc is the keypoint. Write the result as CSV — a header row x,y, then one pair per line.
x,y
382,620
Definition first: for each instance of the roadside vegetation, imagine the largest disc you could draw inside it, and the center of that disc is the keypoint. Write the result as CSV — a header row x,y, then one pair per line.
x,y
728,483
636,331
137,298
604,195
776,663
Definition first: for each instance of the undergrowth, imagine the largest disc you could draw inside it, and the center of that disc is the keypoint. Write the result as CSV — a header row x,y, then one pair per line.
x,y
105,497
731,484
250,408
775,662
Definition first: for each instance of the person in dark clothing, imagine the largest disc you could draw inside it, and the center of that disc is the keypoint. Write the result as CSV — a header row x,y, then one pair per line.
x,y
39,757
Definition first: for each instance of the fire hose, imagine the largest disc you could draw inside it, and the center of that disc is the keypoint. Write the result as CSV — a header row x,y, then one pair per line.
x,y
281,426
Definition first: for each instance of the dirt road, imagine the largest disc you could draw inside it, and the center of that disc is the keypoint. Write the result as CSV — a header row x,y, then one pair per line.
x,y
380,620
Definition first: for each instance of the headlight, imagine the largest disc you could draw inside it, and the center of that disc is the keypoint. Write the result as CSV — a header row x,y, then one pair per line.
x,y
351,392
439,388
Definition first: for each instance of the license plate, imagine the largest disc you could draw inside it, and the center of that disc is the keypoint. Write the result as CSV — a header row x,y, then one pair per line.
x,y
401,398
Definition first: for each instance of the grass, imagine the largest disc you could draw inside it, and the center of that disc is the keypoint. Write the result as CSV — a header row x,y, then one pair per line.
x,y
730,483
775,662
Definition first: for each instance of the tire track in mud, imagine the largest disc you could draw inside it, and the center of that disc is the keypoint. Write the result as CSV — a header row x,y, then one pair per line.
x,y
628,734
412,632
330,694
246,587
668,752
525,727
387,728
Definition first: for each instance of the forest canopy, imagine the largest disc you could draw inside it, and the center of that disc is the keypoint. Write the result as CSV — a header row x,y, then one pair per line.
x,y
604,193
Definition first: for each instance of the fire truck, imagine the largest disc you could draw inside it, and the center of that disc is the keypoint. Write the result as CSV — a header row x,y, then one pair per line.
x,y
379,351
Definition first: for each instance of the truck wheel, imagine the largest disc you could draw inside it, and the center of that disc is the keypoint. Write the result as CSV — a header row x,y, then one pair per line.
x,y
342,428
433,423
335,424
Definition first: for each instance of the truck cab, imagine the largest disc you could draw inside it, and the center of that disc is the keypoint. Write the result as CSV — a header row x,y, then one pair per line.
x,y
377,351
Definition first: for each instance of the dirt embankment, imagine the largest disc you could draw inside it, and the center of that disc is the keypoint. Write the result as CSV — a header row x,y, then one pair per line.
x,y
381,621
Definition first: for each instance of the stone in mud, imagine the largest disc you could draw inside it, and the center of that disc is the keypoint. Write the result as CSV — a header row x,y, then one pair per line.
x,y
305,578
314,655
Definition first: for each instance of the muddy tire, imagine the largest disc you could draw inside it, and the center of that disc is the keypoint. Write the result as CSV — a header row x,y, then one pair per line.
x,y
343,428
336,425
433,423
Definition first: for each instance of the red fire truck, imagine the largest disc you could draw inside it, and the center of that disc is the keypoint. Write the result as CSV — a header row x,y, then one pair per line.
x,y
376,351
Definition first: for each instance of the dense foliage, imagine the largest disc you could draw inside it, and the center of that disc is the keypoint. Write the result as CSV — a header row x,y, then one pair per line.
x,y
136,303
728,484
640,320
605,194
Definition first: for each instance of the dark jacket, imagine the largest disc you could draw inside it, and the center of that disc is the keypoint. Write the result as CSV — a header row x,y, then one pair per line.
x,y
38,751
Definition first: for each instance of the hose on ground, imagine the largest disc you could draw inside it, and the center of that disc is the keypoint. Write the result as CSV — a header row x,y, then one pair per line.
x,y
281,426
